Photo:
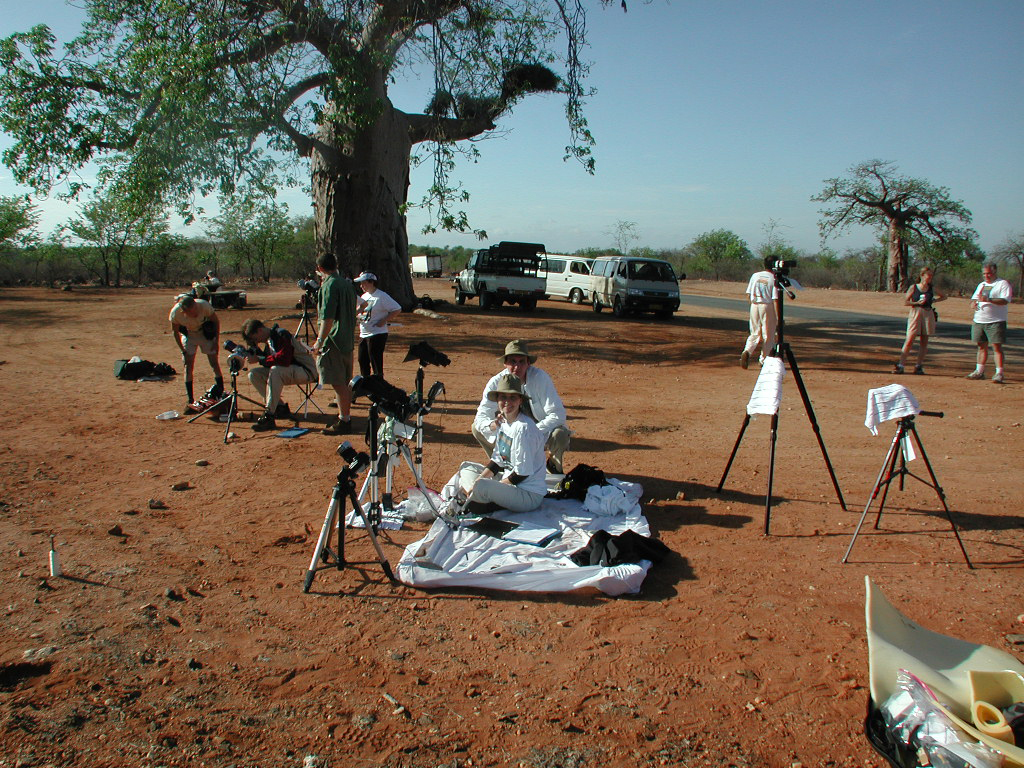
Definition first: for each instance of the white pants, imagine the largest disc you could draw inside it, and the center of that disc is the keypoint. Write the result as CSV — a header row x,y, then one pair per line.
x,y
486,489
277,376
762,328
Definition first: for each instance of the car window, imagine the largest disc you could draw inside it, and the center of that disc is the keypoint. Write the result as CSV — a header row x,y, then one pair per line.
x,y
580,268
555,265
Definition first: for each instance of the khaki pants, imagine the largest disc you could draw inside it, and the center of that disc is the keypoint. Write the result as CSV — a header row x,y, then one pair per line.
x,y
270,381
504,495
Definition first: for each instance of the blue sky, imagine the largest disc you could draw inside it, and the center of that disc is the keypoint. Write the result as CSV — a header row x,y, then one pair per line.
x,y
730,114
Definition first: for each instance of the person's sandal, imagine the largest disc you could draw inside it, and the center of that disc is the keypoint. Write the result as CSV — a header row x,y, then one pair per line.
x,y
919,370
898,368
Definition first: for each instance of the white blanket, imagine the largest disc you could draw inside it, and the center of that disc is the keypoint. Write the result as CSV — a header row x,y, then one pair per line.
x,y
466,558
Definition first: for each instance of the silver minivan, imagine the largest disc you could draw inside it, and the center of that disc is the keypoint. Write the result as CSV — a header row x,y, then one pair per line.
x,y
567,277
631,284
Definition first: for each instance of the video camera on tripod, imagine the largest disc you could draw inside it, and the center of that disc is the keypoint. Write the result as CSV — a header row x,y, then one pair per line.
x,y
426,355
389,399
238,355
310,288
357,460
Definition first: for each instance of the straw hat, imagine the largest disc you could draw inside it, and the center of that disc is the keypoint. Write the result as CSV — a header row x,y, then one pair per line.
x,y
518,347
509,384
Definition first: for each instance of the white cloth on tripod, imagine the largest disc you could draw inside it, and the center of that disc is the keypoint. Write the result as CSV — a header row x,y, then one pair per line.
x,y
767,394
890,402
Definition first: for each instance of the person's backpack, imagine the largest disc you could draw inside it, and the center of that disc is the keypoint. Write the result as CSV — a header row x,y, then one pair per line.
x,y
576,482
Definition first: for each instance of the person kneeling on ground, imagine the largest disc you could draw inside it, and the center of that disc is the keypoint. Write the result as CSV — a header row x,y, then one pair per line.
x,y
542,403
514,477
287,362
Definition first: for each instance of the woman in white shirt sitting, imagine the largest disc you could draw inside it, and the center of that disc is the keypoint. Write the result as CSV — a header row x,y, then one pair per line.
x,y
514,478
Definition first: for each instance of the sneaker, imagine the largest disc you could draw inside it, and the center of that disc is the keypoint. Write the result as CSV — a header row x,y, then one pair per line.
x,y
338,427
216,392
976,375
264,423
282,411
744,359
191,408
998,378
919,370
898,368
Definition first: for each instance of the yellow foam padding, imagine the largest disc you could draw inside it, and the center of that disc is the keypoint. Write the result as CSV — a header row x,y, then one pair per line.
x,y
943,663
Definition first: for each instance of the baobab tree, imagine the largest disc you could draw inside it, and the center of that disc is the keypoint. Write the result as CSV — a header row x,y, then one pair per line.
x,y
875,195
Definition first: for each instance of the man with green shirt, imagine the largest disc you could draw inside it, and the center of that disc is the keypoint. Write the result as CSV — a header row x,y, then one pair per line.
x,y
334,339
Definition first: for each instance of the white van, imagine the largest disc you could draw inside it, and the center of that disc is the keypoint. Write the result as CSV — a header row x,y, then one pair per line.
x,y
631,284
566,276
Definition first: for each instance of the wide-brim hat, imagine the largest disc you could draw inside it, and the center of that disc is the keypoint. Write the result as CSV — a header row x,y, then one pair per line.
x,y
518,347
509,384
366,276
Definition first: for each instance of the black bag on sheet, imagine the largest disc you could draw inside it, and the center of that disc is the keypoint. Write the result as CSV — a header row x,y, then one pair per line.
x,y
576,482
127,371
629,547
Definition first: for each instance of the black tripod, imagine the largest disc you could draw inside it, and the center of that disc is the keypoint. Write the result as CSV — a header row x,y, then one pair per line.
x,y
303,331
231,397
781,348
904,428
345,488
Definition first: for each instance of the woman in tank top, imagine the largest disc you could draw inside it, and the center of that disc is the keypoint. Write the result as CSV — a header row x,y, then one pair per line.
x,y
921,320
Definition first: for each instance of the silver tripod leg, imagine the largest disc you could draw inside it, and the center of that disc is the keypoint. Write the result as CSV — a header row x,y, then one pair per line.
x,y
321,544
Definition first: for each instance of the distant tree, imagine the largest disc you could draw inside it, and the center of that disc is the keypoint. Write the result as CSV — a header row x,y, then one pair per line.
x,y
256,230
111,224
873,194
953,256
194,94
18,219
1011,250
710,251
623,234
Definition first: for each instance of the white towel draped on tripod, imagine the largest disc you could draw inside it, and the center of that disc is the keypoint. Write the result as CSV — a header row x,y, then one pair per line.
x,y
892,402
767,394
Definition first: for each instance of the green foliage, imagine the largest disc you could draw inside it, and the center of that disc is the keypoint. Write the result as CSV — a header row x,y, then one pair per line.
x,y
255,230
18,219
714,252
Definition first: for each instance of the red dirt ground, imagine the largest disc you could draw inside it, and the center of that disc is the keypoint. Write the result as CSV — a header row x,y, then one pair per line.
x,y
181,636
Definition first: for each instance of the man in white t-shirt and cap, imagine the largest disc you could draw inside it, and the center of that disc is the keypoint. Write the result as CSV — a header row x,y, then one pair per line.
x,y
543,405
763,293
991,305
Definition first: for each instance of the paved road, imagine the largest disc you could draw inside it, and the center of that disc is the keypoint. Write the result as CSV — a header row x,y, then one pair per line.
x,y
794,311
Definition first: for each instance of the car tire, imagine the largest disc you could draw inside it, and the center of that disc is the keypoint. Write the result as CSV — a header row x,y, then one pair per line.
x,y
617,309
597,304
528,305
486,300
576,296
460,297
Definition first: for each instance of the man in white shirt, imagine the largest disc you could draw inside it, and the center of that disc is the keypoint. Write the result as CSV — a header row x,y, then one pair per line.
x,y
543,405
763,293
991,305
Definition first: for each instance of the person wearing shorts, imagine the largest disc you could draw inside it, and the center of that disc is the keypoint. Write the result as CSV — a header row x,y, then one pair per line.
x,y
991,305
195,326
921,320
336,309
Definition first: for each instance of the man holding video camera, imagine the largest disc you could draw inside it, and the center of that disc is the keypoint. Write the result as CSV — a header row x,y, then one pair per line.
x,y
763,294
542,404
284,360
336,310
195,326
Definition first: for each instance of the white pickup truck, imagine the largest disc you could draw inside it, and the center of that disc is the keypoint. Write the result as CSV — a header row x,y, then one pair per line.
x,y
505,273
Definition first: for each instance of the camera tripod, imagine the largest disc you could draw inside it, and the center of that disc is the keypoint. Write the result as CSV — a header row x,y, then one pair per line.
x,y
344,488
309,387
231,397
782,349
905,427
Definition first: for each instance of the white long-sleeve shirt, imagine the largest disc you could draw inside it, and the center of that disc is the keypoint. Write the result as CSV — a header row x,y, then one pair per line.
x,y
545,405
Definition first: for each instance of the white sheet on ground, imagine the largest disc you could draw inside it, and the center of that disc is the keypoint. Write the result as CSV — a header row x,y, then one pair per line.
x,y
466,558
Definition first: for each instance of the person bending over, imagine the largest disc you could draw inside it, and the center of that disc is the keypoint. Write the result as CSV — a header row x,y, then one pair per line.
x,y
195,326
514,477
287,361
542,404
376,309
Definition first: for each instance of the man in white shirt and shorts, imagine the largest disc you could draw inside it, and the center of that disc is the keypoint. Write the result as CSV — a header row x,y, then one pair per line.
x,y
991,305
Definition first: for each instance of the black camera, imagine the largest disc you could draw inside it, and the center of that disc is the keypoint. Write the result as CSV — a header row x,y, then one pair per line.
x,y
389,399
782,266
238,355
357,461
426,355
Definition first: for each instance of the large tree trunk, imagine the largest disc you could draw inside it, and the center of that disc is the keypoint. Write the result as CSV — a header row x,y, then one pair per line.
x,y
360,188
899,266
